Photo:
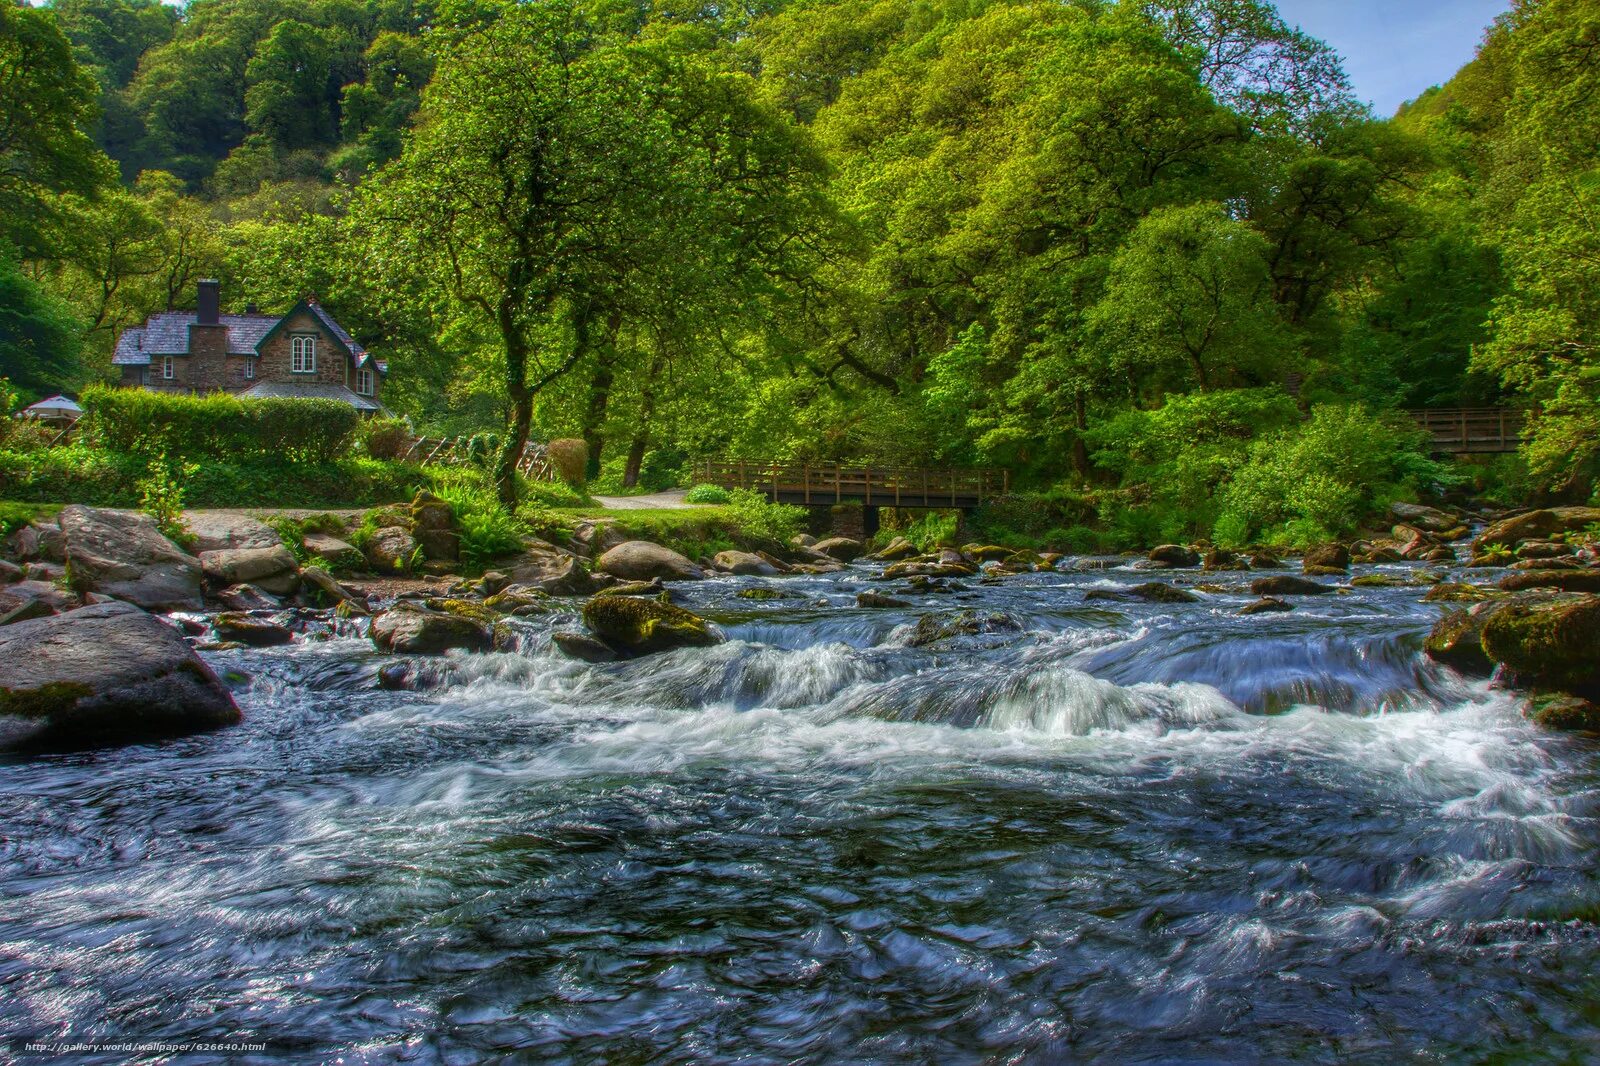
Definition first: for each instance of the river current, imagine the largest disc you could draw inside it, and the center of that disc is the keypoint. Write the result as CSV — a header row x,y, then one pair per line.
x,y
1124,832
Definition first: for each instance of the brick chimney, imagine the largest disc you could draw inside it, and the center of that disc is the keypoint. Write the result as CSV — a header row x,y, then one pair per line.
x,y
208,302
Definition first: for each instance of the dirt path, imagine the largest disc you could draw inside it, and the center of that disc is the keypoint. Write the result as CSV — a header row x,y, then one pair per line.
x,y
669,500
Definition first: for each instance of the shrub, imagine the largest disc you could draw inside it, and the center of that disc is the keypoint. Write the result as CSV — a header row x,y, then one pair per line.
x,y
568,457
933,530
761,520
217,426
386,438
161,497
1316,481
713,494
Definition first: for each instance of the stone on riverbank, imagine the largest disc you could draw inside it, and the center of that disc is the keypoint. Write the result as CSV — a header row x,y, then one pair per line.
x,y
226,531
1536,525
391,550
744,564
640,560
1563,580
899,548
271,569
840,549
645,626
107,674
123,555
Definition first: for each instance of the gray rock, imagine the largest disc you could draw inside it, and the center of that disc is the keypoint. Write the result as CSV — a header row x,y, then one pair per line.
x,y
840,549
1173,556
332,550
103,675
26,611
271,569
9,572
744,564
583,647
247,598
391,550
44,572
38,541
330,589
1267,605
593,539
563,576
878,600
242,628
412,630
640,560
1429,518
123,555
1150,592
1289,585
222,531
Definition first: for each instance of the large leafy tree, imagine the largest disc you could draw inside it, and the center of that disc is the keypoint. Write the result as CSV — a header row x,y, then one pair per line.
x,y
557,182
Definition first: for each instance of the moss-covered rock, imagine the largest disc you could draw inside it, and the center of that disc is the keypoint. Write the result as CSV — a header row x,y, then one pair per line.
x,y
644,626
1564,580
1267,605
1454,592
1550,645
239,627
1150,592
1289,585
1568,713
933,628
763,592
409,629
1457,640
481,613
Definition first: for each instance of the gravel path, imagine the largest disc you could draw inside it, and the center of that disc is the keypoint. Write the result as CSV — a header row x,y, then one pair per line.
x,y
671,500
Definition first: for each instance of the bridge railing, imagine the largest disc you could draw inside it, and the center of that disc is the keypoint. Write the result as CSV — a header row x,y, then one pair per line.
x,y
891,486
1468,430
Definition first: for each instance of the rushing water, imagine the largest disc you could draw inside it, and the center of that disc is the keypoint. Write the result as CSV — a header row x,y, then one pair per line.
x,y
1125,833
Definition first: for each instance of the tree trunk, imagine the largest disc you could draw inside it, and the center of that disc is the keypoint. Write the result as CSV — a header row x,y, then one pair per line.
x,y
505,474
594,416
1080,450
647,408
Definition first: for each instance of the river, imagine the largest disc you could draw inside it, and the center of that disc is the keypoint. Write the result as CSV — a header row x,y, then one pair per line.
x,y
1126,832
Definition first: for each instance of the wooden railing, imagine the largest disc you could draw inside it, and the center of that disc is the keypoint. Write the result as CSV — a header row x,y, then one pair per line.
x,y
876,486
452,451
1471,430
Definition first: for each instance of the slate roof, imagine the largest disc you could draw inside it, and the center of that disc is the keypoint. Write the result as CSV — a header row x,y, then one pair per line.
x,y
168,334
309,391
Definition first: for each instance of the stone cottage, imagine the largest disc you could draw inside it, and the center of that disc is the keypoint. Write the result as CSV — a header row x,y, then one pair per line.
x,y
304,353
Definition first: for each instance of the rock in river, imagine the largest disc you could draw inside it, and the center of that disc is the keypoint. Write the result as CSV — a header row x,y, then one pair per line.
x,y
1289,585
272,569
640,560
1549,645
643,626
101,675
408,629
123,555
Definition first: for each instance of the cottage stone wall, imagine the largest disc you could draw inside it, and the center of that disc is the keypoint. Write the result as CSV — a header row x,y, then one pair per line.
x,y
333,366
207,369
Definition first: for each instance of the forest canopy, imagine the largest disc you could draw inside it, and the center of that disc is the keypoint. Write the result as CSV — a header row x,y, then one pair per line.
x,y
920,231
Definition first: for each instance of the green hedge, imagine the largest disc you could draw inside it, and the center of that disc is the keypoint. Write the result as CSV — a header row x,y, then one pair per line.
x,y
217,426
107,479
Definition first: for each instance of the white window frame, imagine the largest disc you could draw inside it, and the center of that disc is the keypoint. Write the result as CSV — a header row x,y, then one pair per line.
x,y
303,354
249,368
364,382
169,368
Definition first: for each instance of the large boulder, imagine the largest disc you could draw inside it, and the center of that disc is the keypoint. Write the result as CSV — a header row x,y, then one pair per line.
x,y
32,599
1423,517
744,564
1289,585
1457,640
271,569
409,629
1326,557
644,626
899,548
1549,645
593,539
1536,525
840,549
391,550
123,555
640,560
332,550
224,530
101,675
932,628
1564,580
244,628
1174,556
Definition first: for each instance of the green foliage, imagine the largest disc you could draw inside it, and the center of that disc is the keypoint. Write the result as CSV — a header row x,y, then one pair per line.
x,y
707,494
39,341
385,438
161,493
218,426
760,520
13,516
1307,484
487,529
931,531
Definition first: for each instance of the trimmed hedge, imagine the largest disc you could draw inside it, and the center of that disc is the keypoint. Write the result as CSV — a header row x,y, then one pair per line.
x,y
217,426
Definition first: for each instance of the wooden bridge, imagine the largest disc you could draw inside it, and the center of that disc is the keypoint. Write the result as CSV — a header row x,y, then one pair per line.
x,y
1471,430
873,486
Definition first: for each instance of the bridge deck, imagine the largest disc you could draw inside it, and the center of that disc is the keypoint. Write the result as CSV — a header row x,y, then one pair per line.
x,y
875,486
1472,430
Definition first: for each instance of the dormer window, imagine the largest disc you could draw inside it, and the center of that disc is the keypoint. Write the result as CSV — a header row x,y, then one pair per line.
x,y
303,355
364,383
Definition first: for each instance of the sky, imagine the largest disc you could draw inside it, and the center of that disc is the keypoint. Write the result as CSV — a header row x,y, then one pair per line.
x,y
1395,49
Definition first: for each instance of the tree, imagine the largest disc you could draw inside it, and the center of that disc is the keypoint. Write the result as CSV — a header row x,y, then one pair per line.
x,y
1189,294
554,180
47,109
38,336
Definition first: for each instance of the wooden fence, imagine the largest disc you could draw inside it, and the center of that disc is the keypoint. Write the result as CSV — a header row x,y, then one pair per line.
x,y
1472,430
875,486
452,451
